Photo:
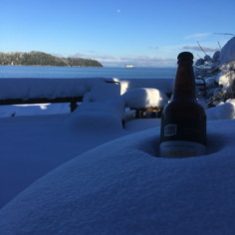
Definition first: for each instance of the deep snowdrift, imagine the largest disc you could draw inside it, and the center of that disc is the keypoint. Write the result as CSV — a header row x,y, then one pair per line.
x,y
123,187
32,146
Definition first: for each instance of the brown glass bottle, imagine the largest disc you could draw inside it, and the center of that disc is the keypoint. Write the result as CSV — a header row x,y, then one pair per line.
x,y
183,124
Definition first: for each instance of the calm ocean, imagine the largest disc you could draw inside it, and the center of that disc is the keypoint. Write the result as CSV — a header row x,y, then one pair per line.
x,y
81,72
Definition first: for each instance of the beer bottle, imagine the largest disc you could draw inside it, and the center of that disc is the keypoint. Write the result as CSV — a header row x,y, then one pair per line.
x,y
183,123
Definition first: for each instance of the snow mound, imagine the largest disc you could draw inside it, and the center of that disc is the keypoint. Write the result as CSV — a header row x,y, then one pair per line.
x,y
226,78
102,91
53,88
228,52
43,88
97,116
224,110
123,188
162,84
145,98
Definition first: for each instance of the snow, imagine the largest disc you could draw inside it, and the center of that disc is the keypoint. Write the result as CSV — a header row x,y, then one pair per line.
x,y
33,109
225,78
227,53
136,125
225,110
98,116
165,85
92,90
32,146
216,57
43,88
123,187
51,88
145,98
87,173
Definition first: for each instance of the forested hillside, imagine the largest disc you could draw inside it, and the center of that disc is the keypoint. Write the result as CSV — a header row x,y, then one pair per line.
x,y
41,58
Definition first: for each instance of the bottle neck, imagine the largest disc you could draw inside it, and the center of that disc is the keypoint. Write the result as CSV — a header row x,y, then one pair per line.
x,y
184,88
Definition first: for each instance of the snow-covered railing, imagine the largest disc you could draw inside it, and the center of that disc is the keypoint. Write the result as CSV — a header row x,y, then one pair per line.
x,y
51,90
31,91
71,100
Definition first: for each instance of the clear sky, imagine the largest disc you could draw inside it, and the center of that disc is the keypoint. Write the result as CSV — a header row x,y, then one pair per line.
x,y
116,32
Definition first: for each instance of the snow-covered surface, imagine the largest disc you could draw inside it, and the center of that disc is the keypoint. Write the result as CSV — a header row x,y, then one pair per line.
x,y
32,146
165,85
52,88
226,78
145,98
136,125
92,90
37,139
33,109
102,91
227,53
225,110
43,88
98,116
87,173
123,187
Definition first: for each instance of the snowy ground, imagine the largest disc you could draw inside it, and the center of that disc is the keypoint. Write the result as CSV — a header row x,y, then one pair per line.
x,y
34,145
120,187
86,173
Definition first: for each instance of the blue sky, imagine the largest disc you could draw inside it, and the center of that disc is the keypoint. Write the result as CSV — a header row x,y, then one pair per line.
x,y
142,32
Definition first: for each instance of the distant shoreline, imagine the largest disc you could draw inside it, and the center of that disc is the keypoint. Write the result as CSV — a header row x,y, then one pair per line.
x,y
35,58
42,65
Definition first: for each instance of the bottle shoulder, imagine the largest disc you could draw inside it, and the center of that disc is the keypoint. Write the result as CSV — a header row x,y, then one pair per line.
x,y
176,106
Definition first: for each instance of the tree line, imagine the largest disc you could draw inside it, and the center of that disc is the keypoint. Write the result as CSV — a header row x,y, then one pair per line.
x,y
41,58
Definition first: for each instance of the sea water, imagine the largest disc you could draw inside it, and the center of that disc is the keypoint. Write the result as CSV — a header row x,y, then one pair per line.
x,y
84,72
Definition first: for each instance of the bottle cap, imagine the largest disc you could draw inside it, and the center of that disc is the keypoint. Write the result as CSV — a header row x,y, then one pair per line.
x,y
185,56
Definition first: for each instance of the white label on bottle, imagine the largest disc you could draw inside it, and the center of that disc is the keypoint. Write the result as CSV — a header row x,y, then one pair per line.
x,y
170,130
181,149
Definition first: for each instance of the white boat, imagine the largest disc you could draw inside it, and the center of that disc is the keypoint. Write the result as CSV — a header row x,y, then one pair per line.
x,y
129,66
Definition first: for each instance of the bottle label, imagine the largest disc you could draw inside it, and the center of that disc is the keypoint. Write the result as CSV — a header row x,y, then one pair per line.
x,y
184,129
181,149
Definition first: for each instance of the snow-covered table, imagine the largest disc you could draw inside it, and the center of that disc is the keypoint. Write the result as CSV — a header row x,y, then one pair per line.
x,y
124,187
